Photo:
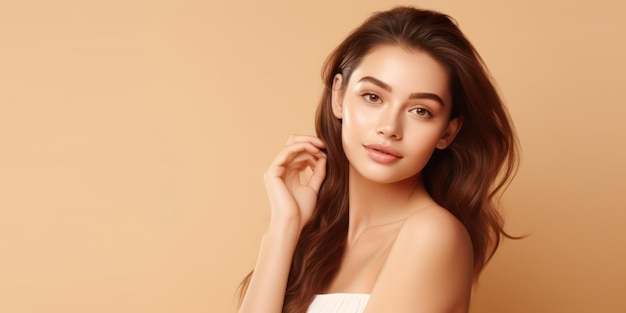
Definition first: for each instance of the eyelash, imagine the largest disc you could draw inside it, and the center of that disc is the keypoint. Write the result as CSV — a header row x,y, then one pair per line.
x,y
367,95
425,113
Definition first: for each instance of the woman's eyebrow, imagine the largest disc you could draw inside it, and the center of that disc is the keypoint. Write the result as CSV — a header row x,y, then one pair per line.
x,y
415,95
375,82
426,95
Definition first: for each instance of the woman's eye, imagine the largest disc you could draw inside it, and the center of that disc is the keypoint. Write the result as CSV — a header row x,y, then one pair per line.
x,y
370,97
421,112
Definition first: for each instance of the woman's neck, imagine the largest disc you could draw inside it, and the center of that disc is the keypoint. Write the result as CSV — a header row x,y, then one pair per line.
x,y
376,204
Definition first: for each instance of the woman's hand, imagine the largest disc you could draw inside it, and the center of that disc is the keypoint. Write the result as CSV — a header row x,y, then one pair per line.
x,y
291,200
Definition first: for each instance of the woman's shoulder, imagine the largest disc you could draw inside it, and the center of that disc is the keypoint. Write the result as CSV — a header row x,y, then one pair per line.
x,y
434,236
436,233
434,224
429,265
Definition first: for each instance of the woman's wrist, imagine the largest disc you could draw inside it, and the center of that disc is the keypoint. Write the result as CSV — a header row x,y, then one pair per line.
x,y
283,229
285,225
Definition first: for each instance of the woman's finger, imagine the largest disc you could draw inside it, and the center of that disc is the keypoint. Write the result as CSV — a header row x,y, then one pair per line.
x,y
292,150
284,159
319,173
293,174
305,138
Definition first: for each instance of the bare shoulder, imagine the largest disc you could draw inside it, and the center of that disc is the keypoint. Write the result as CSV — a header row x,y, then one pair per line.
x,y
429,267
434,241
434,227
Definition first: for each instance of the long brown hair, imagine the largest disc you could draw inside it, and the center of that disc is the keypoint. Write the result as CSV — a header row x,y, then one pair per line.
x,y
467,178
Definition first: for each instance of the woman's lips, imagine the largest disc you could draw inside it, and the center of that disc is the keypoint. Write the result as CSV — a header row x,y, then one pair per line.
x,y
382,154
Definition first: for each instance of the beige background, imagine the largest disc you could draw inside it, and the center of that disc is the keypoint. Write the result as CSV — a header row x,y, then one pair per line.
x,y
133,138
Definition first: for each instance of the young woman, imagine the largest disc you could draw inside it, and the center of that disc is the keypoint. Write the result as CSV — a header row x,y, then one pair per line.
x,y
413,148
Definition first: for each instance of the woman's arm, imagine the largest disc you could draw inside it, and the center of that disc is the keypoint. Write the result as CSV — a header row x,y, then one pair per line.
x,y
292,203
266,290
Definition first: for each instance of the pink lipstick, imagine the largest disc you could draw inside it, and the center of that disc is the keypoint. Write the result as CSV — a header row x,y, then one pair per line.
x,y
382,154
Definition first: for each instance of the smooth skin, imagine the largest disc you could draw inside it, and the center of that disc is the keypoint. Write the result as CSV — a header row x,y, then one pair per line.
x,y
407,252
292,204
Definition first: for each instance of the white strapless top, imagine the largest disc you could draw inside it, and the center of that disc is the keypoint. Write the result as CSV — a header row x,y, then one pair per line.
x,y
339,303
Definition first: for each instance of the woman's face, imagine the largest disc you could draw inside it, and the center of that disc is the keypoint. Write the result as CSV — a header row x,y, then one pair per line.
x,y
395,111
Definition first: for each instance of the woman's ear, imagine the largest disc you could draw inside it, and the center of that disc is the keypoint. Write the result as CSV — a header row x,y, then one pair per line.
x,y
454,125
337,96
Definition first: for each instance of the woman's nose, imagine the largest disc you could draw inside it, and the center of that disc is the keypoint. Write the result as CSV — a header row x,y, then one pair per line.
x,y
389,125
